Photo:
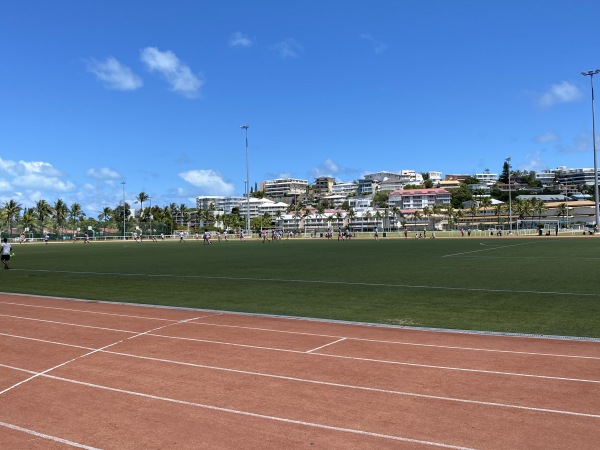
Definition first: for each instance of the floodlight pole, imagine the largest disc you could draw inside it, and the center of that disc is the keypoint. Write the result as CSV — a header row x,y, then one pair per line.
x,y
509,198
591,74
150,198
245,127
123,183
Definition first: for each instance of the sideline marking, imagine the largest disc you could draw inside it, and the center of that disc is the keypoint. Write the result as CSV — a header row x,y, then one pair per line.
x,y
349,283
489,249
46,436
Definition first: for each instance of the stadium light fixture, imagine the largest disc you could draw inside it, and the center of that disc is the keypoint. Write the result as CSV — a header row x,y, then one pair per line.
x,y
509,198
591,74
123,183
245,127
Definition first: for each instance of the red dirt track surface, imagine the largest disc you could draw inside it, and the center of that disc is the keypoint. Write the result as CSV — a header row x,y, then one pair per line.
x,y
78,374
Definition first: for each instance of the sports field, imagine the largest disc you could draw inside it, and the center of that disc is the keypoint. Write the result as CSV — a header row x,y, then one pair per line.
x,y
541,285
100,375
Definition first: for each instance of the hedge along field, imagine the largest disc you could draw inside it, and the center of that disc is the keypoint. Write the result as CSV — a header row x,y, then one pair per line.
x,y
541,285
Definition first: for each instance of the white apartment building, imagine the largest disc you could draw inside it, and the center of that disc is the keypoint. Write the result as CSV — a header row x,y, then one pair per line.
x,y
488,179
344,188
577,177
284,186
260,206
360,203
435,177
225,204
419,198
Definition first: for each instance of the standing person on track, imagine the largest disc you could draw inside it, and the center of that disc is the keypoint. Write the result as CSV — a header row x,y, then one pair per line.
x,y
5,253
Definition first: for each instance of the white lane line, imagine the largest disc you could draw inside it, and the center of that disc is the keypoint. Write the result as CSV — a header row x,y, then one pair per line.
x,y
347,283
87,311
319,335
46,436
488,249
326,345
69,324
87,354
382,361
256,415
416,344
324,383
427,366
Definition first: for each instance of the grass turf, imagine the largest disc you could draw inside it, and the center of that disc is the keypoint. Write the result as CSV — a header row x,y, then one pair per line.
x,y
542,285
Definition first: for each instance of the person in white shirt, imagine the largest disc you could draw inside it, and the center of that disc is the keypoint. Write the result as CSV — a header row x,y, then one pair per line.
x,y
5,253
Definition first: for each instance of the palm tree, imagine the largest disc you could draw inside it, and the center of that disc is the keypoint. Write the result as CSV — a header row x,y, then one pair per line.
x,y
105,215
427,213
562,210
473,210
61,212
142,197
417,215
499,209
396,214
367,216
12,210
76,213
42,212
450,211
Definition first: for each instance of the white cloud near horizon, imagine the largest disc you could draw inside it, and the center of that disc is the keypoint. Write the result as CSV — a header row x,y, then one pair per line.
x,y
563,92
327,168
288,49
114,75
239,39
177,74
209,181
547,137
104,173
378,46
33,175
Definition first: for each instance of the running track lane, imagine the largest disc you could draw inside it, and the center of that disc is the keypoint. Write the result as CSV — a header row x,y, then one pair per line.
x,y
227,380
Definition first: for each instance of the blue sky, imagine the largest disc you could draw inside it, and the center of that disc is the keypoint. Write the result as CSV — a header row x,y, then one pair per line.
x,y
154,92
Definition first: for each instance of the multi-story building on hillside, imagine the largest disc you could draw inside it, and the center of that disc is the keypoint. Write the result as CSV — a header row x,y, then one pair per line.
x,y
344,188
323,186
419,198
284,186
220,203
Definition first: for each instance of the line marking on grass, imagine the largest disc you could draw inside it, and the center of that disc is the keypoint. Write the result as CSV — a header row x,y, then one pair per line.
x,y
247,413
348,283
46,436
488,249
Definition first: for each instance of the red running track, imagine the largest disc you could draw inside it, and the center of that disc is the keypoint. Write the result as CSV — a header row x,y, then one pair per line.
x,y
78,374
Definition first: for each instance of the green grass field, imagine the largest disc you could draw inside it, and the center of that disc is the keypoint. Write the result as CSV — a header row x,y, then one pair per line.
x,y
541,285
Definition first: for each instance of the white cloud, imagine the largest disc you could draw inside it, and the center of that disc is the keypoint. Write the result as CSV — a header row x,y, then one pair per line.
x,y
178,75
114,75
239,39
209,181
40,181
103,173
534,162
327,168
32,175
581,144
288,49
547,137
563,92
378,46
